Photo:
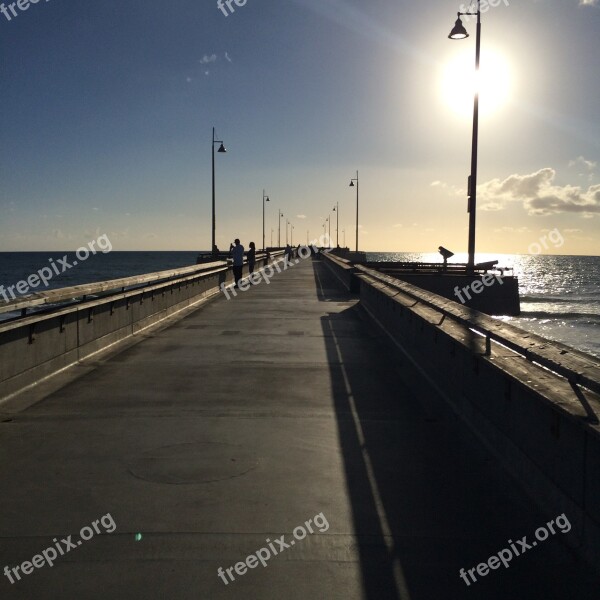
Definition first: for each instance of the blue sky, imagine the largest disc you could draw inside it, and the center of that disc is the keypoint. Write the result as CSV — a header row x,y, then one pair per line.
x,y
108,109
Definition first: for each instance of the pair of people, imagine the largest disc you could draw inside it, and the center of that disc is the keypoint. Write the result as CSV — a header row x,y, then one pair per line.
x,y
237,254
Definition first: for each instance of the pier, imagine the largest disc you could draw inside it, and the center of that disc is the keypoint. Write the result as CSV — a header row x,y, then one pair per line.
x,y
424,435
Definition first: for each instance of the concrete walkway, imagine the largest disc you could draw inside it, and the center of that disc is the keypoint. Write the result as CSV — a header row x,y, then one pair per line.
x,y
240,423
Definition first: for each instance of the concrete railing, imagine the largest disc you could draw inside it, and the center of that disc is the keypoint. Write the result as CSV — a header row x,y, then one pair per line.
x,y
534,403
74,323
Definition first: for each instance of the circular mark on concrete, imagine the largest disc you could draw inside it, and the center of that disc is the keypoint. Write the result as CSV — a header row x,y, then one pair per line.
x,y
196,462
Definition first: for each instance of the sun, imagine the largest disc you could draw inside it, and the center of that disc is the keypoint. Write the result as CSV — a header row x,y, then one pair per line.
x,y
457,83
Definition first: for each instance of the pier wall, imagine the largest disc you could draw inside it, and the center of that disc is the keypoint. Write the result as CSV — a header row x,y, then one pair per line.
x,y
541,423
86,319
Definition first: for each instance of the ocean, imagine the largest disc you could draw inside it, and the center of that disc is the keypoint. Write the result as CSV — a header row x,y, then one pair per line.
x,y
560,295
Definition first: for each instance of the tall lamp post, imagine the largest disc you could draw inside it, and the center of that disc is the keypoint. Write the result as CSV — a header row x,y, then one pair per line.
x,y
286,231
221,149
352,185
265,199
336,209
279,229
291,235
460,33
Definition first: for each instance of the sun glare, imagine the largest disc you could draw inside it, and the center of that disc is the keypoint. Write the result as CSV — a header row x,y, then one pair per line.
x,y
458,83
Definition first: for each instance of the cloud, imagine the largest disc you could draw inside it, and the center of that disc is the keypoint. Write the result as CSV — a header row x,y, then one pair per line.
x,y
507,229
588,2
590,165
188,79
452,189
301,216
227,57
208,59
539,195
397,225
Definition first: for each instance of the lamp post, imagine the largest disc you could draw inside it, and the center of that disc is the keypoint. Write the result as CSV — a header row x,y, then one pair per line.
x,y
265,199
286,231
336,209
459,33
291,235
352,185
279,229
344,232
329,234
271,237
221,149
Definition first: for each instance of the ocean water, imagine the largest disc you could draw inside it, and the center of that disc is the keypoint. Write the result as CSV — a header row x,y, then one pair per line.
x,y
560,295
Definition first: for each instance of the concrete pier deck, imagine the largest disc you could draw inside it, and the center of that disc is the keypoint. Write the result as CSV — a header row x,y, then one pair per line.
x,y
240,423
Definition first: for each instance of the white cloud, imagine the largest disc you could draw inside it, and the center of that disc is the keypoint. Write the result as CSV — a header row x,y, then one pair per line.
x,y
589,165
507,229
227,57
539,194
397,225
208,59
588,2
301,216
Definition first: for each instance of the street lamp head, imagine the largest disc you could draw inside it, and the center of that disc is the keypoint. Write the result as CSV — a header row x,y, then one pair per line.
x,y
221,148
352,184
458,31
334,209
267,199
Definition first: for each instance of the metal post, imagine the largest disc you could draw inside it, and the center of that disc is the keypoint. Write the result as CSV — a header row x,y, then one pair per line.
x,y
212,248
473,179
357,210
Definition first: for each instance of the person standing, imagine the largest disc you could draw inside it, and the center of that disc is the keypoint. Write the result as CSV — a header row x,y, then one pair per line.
x,y
251,257
237,254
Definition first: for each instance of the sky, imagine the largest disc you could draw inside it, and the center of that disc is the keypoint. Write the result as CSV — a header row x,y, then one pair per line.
x,y
108,110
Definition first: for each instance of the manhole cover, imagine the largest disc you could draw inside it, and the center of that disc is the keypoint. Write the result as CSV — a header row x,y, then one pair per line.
x,y
198,462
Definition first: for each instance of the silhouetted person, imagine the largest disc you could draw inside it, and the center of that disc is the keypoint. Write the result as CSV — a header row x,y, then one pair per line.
x,y
251,257
237,254
215,251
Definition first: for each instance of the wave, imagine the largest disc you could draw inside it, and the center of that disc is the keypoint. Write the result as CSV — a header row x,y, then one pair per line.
x,y
554,300
583,318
